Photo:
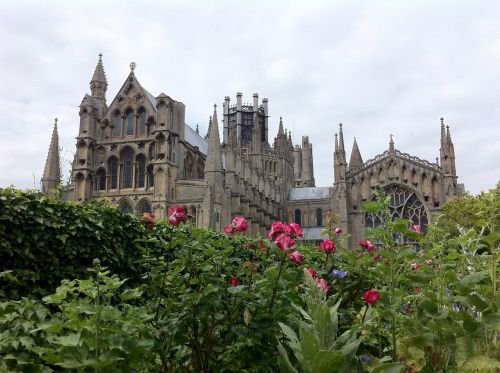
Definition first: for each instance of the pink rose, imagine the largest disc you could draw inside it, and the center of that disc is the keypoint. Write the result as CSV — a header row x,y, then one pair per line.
x,y
371,296
312,272
322,284
277,228
371,247
416,228
415,266
229,229
240,224
429,262
328,246
377,256
338,230
284,242
176,215
293,229
233,281
359,255
296,257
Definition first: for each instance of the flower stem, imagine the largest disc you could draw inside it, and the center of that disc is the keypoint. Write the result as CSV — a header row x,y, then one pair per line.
x,y
271,302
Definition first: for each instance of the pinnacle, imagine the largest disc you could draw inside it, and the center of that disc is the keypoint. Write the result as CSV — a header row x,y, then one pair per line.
x,y
99,75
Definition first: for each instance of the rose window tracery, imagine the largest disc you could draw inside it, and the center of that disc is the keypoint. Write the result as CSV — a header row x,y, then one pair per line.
x,y
403,203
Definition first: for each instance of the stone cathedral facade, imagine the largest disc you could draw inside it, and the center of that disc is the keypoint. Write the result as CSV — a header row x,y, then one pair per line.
x,y
138,152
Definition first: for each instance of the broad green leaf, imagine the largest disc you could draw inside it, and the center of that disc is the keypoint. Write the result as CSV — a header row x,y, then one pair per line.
x,y
388,368
70,340
284,361
327,361
309,345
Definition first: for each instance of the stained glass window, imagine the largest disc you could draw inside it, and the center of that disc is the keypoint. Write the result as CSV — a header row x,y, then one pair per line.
x,y
405,204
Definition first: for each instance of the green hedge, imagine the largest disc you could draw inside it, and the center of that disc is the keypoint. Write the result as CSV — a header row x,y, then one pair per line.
x,y
44,240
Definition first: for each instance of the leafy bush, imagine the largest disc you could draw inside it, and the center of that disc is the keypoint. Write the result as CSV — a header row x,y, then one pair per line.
x,y
44,240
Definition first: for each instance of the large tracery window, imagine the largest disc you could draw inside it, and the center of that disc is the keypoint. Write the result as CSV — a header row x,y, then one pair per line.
x,y
405,204
127,161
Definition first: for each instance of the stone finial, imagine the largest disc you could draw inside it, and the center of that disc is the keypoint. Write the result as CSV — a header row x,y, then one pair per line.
x,y
52,173
197,129
391,144
133,65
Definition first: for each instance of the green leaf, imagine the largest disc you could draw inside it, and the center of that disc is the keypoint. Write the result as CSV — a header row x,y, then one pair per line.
x,y
327,361
70,340
236,289
473,278
388,368
482,364
371,207
247,317
309,345
284,360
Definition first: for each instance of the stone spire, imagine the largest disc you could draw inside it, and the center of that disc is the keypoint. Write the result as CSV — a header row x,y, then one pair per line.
x,y
391,144
52,174
280,129
341,142
99,83
443,136
356,161
213,163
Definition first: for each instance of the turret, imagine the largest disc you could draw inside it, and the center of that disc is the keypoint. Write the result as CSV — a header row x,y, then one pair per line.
x,y
447,161
51,173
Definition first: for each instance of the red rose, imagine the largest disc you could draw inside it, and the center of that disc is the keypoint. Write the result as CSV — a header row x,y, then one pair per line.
x,y
177,215
371,247
293,229
377,256
338,230
415,266
284,242
229,229
328,246
296,256
371,296
277,228
312,272
233,281
364,243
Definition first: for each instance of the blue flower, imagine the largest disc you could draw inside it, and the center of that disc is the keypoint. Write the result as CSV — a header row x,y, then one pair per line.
x,y
338,273
365,359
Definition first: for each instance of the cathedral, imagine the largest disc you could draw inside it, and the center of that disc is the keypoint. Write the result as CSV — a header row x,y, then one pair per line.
x,y
138,153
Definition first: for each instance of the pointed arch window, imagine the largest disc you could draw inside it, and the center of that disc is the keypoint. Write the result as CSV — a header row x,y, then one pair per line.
x,y
117,122
405,204
126,208
113,172
298,216
101,179
151,176
130,122
142,122
319,217
127,161
141,171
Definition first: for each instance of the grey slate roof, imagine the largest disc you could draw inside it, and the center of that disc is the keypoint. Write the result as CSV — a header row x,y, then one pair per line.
x,y
195,139
150,97
311,234
309,193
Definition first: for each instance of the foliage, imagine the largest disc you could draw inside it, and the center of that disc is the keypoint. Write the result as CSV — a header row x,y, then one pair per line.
x,y
87,325
44,240
318,349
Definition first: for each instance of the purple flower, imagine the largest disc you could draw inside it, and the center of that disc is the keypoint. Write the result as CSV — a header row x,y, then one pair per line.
x,y
365,359
338,273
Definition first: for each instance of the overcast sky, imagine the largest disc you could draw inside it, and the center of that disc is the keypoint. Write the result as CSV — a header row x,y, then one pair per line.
x,y
379,67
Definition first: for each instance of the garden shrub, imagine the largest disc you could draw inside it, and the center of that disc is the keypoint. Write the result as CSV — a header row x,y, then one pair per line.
x,y
44,240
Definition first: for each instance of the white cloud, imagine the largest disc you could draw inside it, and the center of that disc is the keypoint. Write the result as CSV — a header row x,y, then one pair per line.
x,y
380,67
